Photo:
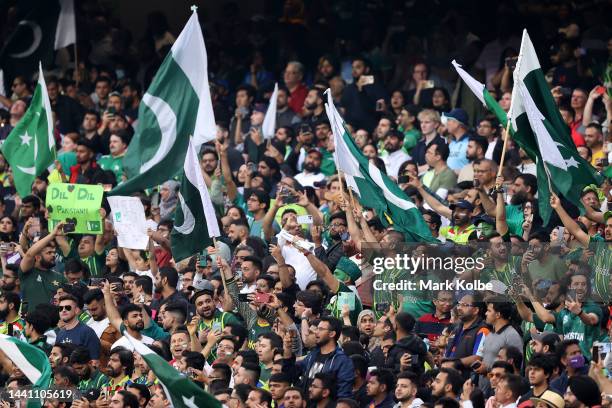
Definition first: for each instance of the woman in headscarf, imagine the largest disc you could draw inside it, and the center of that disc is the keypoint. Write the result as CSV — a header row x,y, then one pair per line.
x,y
168,199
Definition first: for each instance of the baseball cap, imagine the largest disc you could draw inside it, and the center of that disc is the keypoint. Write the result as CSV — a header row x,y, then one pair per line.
x,y
457,114
551,399
314,150
545,337
200,284
260,107
466,205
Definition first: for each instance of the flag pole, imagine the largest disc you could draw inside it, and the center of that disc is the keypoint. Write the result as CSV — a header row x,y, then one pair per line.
x,y
503,153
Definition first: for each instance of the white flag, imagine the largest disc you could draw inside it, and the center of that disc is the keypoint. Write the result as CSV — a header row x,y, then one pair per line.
x,y
65,33
269,123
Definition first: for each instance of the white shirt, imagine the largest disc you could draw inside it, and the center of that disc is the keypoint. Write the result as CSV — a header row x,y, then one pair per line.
x,y
394,160
124,342
98,326
304,273
308,179
529,168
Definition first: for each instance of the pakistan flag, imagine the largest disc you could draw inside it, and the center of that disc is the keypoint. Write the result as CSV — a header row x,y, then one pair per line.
x,y
538,128
30,147
195,222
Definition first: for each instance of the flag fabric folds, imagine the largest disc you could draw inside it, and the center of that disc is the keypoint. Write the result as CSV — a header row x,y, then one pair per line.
x,y
30,147
374,189
31,360
176,106
180,390
195,222
269,123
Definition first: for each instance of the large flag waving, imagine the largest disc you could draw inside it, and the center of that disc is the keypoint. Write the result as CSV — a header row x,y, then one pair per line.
x,y
30,147
176,106
180,390
374,189
195,222
538,129
43,26
31,360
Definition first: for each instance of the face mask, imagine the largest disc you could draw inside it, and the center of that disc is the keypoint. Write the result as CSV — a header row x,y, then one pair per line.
x,y
576,362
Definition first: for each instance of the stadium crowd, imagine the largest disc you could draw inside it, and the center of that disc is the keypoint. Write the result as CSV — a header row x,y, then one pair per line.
x,y
258,322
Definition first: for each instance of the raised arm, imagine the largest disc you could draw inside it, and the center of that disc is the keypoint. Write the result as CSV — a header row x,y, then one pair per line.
x,y
568,222
429,199
226,170
111,309
268,220
27,263
322,271
501,224
587,114
152,259
283,268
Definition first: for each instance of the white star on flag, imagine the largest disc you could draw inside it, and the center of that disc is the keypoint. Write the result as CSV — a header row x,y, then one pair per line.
x,y
25,138
571,162
190,402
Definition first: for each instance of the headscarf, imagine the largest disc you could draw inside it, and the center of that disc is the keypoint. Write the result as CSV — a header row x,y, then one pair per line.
x,y
166,207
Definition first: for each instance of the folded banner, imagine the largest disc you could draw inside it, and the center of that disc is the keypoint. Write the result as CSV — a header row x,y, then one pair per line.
x,y
75,203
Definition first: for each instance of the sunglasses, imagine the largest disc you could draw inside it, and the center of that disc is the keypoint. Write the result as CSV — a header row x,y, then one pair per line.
x,y
66,308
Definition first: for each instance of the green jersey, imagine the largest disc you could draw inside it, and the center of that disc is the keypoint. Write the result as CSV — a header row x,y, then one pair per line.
x,y
94,262
571,326
600,265
114,164
219,319
260,327
38,286
97,380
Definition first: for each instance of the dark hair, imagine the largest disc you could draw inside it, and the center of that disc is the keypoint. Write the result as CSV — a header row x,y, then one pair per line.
x,y
335,325
405,321
561,348
280,378
585,389
249,356
513,353
66,349
350,402
14,298
447,402
264,396
69,297
311,300
501,306
255,261
262,197
361,365
515,384
530,181
194,359
179,309
80,355
329,381
250,90
454,378
129,399
127,309
240,331
125,357
544,361
93,294
69,373
351,332
505,365
481,141
276,341
145,283
408,375
170,274
441,149
143,390
385,377
340,215
253,368
38,320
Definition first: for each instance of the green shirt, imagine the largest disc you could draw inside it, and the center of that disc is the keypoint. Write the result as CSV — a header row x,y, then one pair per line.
x,y
446,180
514,219
337,311
221,318
600,265
94,262
553,269
38,286
411,138
114,164
571,326
97,380
260,327
328,166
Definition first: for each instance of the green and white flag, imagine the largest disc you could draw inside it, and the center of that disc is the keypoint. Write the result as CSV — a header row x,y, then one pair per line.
x,y
537,127
180,390
374,189
268,127
176,106
30,147
31,360
195,222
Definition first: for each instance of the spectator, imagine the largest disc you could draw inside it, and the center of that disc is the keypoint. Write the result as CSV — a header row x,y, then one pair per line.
x,y
73,330
456,122
293,76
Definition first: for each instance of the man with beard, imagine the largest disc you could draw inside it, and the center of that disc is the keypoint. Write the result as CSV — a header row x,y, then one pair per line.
x,y
472,331
395,155
439,178
539,263
406,390
334,251
118,143
86,171
510,217
165,284
119,370
476,149
131,96
208,316
326,358
294,398
131,318
38,281
314,109
285,117
311,172
238,233
582,392
499,264
461,215
89,376
9,281
11,324
322,390
73,331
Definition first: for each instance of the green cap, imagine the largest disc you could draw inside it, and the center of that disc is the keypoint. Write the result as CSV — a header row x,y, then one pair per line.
x,y
349,267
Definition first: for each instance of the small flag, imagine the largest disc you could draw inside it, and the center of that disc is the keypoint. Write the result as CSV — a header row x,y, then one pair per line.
x,y
269,123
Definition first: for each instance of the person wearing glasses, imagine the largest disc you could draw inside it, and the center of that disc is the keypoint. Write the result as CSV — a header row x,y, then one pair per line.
x,y
75,332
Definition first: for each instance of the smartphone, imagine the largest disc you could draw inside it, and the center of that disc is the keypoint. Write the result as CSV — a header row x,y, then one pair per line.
x,y
96,282
274,241
368,79
243,297
380,106
6,246
117,286
600,90
24,308
595,353
262,297
403,179
252,167
345,236
511,62
382,307
571,293
216,326
604,162
69,226
202,262
107,187
476,183
34,229
428,84
475,365
304,219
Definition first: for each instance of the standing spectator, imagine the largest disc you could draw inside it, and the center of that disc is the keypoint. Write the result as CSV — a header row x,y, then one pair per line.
x,y
475,153
285,117
396,155
406,391
470,333
323,389
380,388
433,324
440,178
119,142
539,371
456,122
293,76
73,331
